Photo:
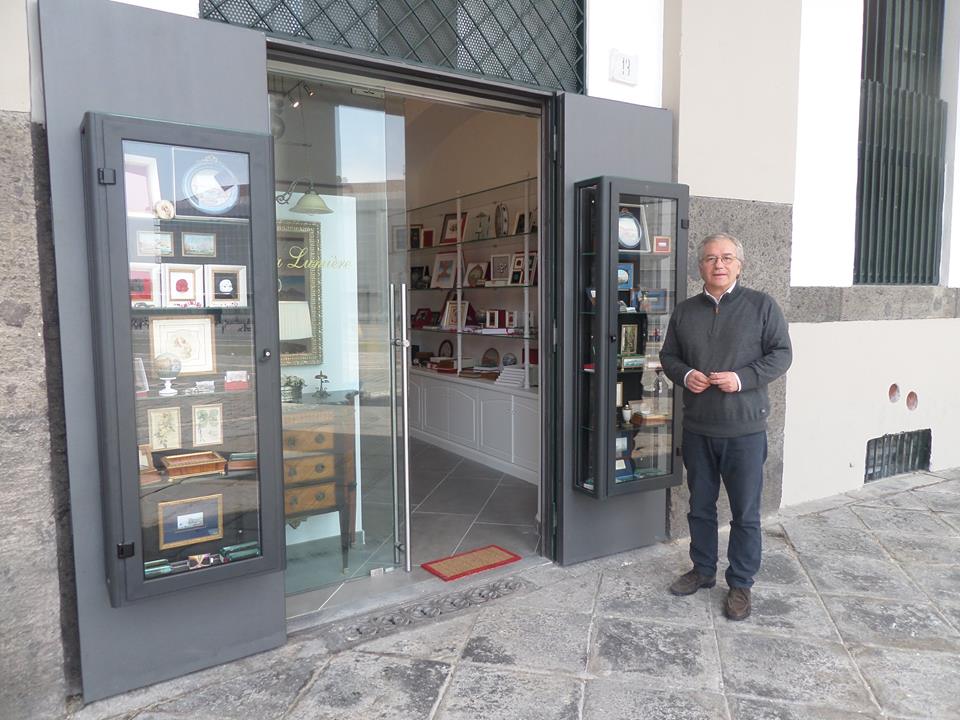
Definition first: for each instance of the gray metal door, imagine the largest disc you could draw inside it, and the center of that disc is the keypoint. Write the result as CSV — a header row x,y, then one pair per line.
x,y
115,58
598,137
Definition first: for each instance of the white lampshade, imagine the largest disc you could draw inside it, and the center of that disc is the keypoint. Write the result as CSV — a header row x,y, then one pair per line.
x,y
311,204
295,320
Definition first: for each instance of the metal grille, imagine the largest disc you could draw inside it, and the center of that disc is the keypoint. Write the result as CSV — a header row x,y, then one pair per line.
x,y
902,144
534,42
895,454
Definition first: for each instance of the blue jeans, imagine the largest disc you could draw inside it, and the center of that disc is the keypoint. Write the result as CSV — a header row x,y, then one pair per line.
x,y
738,463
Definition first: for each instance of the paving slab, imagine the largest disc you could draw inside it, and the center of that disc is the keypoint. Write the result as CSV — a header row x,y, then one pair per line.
x,y
266,694
810,537
609,699
951,519
358,686
842,517
898,520
939,500
667,655
778,610
576,593
908,500
935,580
855,575
754,709
911,683
793,669
926,549
496,694
630,593
948,474
782,569
896,624
441,641
530,638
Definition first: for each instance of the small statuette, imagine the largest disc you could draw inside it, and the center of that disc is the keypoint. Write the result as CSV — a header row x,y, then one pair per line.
x,y
164,209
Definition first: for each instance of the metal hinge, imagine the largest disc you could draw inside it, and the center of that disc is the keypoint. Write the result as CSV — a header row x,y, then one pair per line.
x,y
554,518
106,176
679,451
125,550
685,224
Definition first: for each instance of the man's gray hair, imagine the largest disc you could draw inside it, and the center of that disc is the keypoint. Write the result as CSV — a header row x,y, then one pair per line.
x,y
721,236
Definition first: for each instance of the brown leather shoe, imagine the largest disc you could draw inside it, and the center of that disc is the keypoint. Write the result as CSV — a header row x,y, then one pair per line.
x,y
690,582
737,605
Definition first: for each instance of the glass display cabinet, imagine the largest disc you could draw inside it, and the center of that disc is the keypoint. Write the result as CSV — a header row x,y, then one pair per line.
x,y
180,229
631,270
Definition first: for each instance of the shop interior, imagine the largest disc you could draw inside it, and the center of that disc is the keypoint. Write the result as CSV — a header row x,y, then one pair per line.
x,y
404,215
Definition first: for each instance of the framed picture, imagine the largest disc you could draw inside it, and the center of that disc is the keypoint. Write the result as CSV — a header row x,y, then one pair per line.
x,y
619,394
531,275
421,318
207,424
225,285
499,270
452,314
624,276
164,428
426,237
520,223
444,270
628,339
662,244
140,384
299,269
141,179
145,456
182,285
189,339
492,319
657,300
419,277
398,234
145,284
154,244
198,244
476,274
449,232
190,521
415,232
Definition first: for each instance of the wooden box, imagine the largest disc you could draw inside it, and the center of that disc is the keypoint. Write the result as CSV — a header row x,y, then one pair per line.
x,y
192,464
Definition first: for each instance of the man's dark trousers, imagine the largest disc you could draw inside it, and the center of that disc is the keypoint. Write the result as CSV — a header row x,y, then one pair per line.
x,y
738,461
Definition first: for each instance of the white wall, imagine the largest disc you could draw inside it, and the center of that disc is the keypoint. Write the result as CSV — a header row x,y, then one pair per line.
x,y
828,127
950,91
635,29
738,98
837,398
190,8
14,57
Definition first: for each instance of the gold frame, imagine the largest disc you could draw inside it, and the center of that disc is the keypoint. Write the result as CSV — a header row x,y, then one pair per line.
x,y
307,259
195,541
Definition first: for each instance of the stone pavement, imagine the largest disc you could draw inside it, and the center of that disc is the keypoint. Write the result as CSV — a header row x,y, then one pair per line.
x,y
856,615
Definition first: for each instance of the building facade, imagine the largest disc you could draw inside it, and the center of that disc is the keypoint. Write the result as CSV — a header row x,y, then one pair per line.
x,y
766,106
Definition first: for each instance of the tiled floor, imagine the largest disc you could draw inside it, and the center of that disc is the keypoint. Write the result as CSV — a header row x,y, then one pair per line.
x,y
457,504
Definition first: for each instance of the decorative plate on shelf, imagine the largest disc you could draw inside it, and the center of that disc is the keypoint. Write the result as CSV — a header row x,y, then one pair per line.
x,y
509,359
446,349
211,187
630,231
491,358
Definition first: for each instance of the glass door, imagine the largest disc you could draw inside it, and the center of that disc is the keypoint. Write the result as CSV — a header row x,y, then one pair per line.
x,y
340,181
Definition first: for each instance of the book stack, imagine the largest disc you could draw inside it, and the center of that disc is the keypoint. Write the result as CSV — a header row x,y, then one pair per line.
x,y
511,375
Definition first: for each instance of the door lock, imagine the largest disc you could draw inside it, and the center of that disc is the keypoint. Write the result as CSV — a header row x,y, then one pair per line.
x,y
267,354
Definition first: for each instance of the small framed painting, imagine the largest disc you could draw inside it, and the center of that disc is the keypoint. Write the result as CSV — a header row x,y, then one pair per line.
x,y
182,285
190,521
189,339
628,339
198,244
207,424
624,276
144,284
226,285
154,244
662,244
476,274
499,270
164,428
426,237
444,270
416,232
657,300
453,314
450,233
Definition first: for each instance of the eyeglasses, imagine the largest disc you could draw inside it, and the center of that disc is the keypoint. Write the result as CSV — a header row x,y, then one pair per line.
x,y
722,259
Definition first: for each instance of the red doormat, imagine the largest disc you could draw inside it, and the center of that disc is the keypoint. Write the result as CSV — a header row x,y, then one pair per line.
x,y
470,562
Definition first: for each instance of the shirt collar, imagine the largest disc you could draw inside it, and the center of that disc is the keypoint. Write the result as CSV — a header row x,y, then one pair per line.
x,y
726,292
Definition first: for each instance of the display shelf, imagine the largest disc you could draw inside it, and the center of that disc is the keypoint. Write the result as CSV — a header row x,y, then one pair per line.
x,y
473,287
467,242
467,333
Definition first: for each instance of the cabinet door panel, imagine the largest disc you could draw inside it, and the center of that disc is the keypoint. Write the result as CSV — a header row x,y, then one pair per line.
x,y
463,416
526,433
496,425
414,398
436,409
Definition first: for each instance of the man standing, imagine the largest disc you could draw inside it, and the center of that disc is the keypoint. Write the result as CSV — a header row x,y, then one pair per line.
x,y
724,346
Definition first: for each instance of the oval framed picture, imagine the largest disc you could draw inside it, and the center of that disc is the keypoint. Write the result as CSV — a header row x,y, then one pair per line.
x,y
446,349
491,358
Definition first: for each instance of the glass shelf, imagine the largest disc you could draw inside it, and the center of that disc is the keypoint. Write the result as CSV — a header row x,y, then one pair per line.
x,y
472,287
475,334
473,241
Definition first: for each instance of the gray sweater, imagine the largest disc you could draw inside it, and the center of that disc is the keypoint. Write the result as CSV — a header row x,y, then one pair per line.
x,y
746,333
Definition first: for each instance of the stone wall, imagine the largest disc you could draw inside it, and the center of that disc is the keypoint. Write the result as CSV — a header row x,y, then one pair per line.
x,y
34,535
765,229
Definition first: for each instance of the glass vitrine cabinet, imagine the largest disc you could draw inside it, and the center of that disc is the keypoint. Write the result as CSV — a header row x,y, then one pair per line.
x,y
631,271
180,234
